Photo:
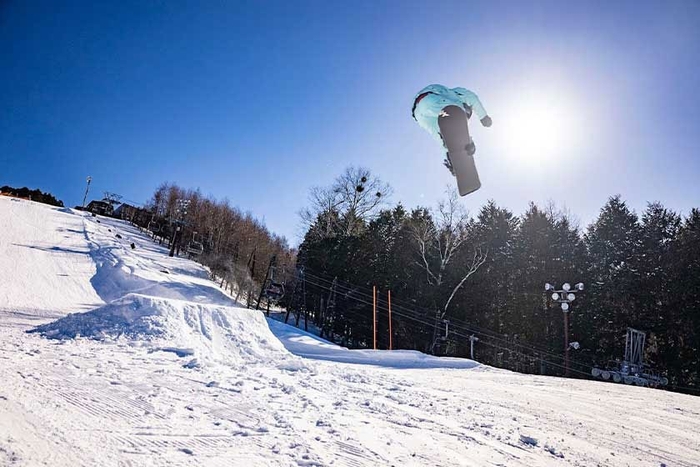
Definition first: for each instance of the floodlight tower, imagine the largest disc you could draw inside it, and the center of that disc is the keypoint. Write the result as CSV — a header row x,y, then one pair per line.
x,y
89,179
182,205
565,296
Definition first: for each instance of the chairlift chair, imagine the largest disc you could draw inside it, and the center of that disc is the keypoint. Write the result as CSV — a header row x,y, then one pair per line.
x,y
195,248
275,291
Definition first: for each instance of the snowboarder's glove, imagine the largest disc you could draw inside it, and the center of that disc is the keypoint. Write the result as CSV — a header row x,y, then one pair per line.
x,y
486,121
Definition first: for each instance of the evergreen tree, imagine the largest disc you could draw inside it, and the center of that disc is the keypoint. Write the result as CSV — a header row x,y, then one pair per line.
x,y
655,313
34,195
683,353
614,252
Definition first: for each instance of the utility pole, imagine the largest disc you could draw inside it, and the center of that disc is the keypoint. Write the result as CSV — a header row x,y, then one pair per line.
x,y
391,343
374,315
89,179
565,296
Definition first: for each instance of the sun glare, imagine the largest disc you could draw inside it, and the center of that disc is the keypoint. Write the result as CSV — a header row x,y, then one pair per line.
x,y
539,129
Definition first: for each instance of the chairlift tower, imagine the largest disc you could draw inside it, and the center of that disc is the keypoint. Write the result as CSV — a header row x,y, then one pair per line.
x,y
181,207
87,189
298,295
272,290
112,198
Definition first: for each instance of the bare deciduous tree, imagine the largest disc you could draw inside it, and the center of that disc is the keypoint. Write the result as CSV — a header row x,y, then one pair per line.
x,y
233,242
354,198
438,239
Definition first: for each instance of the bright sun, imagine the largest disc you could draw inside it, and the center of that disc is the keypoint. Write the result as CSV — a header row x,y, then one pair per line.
x,y
539,128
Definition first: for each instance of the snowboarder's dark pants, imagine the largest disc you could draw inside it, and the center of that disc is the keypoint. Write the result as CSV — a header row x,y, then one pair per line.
x,y
454,131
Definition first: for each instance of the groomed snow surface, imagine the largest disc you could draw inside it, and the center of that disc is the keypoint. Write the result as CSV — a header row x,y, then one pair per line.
x,y
138,359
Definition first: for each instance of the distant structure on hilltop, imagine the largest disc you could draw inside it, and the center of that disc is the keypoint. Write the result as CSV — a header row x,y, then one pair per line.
x,y
102,208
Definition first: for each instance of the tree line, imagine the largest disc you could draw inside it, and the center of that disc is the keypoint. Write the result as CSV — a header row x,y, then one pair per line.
x,y
485,275
236,247
33,195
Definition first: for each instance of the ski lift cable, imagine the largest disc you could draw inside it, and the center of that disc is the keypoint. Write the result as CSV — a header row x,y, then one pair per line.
x,y
431,324
484,340
463,325
475,329
398,305
467,329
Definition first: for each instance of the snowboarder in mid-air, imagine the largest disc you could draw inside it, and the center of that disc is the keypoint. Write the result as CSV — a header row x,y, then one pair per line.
x,y
444,113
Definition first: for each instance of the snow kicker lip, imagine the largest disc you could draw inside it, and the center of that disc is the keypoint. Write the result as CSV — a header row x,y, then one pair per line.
x,y
132,316
211,332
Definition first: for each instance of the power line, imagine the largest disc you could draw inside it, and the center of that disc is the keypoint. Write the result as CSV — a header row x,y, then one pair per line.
x,y
453,322
460,334
429,324
460,326
470,328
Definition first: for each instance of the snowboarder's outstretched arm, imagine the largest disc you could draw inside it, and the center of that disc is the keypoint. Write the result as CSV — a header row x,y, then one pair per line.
x,y
472,100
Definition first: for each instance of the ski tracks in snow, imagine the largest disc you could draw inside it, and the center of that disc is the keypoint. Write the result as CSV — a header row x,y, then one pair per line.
x,y
119,402
143,408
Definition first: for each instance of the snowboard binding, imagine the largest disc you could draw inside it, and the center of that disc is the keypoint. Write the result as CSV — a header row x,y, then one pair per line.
x,y
471,150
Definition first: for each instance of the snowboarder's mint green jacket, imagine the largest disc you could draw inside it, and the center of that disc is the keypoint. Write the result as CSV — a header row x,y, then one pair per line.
x,y
428,109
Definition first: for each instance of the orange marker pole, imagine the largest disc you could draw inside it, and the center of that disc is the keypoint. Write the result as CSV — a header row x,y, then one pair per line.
x,y
390,336
374,313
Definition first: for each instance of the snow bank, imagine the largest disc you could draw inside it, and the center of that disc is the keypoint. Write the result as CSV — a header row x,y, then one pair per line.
x,y
210,333
308,345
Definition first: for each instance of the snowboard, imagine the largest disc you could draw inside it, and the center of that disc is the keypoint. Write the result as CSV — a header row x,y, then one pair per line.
x,y
454,130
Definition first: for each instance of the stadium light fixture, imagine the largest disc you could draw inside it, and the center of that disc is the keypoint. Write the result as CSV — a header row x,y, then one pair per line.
x,y
564,297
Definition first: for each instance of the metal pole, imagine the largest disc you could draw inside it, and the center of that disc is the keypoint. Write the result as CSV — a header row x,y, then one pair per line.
x,y
172,246
566,343
374,314
89,179
472,339
565,296
391,346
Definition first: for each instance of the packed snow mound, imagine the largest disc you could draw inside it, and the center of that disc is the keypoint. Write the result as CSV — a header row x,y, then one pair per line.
x,y
210,333
307,345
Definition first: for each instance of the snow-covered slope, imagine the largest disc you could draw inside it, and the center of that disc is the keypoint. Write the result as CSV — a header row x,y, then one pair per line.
x,y
152,364
45,264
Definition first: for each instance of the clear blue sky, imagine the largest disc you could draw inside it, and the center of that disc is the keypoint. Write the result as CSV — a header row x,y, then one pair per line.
x,y
258,101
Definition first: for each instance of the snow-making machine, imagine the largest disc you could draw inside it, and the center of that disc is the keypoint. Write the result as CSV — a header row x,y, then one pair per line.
x,y
632,370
